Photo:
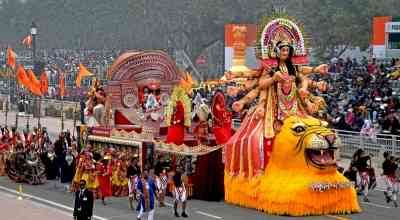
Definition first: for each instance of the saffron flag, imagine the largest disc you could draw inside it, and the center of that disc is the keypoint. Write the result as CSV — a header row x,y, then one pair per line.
x,y
23,79
34,84
44,83
83,72
61,84
11,58
32,77
27,41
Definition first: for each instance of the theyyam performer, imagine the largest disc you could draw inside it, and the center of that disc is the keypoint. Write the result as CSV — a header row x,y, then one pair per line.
x,y
282,159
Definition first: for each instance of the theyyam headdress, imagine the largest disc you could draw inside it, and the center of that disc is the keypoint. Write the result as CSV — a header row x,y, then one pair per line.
x,y
186,82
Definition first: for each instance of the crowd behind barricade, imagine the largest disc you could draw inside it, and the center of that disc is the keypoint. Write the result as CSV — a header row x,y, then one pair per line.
x,y
34,158
362,97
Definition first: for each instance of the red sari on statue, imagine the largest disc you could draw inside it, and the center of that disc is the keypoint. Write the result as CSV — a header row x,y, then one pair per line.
x,y
104,174
222,119
176,131
248,152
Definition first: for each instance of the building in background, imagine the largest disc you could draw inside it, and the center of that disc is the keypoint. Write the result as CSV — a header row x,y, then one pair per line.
x,y
386,37
251,38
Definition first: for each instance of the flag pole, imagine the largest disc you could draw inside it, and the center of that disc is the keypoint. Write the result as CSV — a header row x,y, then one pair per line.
x,y
75,111
62,113
9,91
17,101
40,107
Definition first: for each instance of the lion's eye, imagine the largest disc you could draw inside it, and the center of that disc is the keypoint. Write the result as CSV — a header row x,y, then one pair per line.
x,y
299,128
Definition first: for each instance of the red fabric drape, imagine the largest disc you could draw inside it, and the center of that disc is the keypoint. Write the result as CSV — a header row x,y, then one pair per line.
x,y
208,179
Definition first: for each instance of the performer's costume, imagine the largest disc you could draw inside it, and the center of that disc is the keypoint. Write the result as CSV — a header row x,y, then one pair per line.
x,y
178,111
50,163
222,119
281,160
104,174
146,192
392,179
80,162
3,158
119,179
98,107
151,103
176,131
133,173
23,167
180,193
68,169
201,129
162,182
89,174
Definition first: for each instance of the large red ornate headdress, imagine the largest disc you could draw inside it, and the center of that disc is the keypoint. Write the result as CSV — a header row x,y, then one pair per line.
x,y
277,31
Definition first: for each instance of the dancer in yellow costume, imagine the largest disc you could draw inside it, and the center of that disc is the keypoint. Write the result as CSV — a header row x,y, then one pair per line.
x,y
281,160
119,178
89,173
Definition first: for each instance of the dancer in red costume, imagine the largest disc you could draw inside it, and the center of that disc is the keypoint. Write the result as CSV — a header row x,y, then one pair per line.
x,y
104,174
176,131
222,119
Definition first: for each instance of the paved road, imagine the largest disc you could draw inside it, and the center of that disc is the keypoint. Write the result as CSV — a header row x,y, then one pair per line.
x,y
53,196
12,208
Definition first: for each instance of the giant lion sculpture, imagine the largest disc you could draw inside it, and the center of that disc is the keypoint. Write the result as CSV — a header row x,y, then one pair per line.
x,y
301,176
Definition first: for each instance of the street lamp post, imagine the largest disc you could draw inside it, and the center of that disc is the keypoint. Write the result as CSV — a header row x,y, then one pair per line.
x,y
34,32
17,113
9,88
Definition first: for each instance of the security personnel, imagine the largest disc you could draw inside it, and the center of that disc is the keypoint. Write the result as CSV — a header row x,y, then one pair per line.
x,y
83,209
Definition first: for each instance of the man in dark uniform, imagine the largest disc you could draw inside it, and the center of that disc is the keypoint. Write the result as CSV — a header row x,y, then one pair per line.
x,y
132,174
83,209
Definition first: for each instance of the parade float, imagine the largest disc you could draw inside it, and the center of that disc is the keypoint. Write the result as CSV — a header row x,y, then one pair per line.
x,y
282,159
136,113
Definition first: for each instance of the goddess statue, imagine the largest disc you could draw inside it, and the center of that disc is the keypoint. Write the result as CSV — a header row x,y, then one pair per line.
x,y
281,89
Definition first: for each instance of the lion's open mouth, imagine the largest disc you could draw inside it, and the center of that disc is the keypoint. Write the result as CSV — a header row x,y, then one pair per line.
x,y
321,158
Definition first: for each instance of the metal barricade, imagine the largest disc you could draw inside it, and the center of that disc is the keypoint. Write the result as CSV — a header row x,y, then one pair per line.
x,y
351,141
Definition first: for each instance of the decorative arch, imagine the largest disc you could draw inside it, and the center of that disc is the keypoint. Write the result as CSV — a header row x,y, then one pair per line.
x,y
135,69
132,64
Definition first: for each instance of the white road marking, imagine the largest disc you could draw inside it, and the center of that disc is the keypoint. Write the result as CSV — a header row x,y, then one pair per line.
x,y
198,212
376,205
47,201
120,216
37,204
208,215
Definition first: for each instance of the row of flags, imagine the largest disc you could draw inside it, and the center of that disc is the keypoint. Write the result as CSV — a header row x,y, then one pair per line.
x,y
39,87
31,83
